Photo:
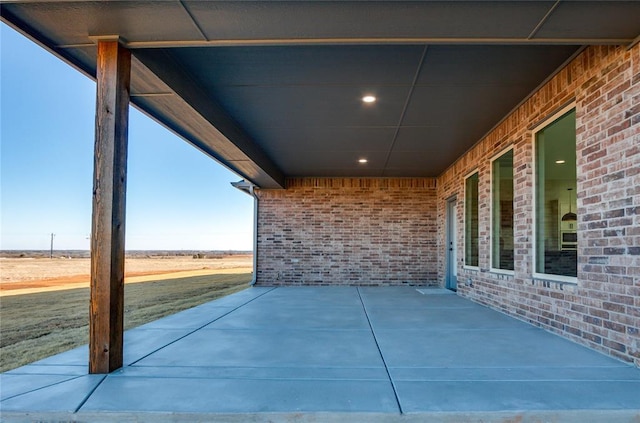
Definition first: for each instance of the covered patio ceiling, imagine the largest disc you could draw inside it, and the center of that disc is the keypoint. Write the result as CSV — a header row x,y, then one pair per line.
x,y
273,89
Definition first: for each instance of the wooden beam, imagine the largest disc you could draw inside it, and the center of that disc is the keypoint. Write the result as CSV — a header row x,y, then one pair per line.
x,y
217,134
109,194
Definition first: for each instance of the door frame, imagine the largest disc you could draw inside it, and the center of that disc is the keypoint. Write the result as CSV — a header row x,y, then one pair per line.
x,y
451,245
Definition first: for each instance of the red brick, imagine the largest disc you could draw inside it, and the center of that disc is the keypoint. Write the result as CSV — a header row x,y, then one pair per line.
x,y
367,231
608,147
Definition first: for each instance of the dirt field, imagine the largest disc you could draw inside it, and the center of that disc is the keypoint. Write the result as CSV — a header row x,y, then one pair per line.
x,y
30,275
42,317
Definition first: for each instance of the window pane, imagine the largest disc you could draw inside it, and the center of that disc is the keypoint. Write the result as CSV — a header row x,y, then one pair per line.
x,y
502,219
556,204
471,221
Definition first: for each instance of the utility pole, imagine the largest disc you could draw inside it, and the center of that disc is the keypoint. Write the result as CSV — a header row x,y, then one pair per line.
x,y
51,251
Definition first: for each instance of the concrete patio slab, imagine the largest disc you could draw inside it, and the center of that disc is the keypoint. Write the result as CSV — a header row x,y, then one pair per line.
x,y
291,316
332,354
43,369
514,374
448,318
65,396
16,384
194,318
242,395
272,347
473,395
317,373
523,347
315,296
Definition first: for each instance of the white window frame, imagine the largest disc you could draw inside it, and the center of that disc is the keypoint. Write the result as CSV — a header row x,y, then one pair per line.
x,y
534,246
491,238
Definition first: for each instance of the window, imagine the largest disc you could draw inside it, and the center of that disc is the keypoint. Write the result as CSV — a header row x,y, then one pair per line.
x,y
471,220
502,212
555,198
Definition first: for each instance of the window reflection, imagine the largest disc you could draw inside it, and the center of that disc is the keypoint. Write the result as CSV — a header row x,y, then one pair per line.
x,y
556,203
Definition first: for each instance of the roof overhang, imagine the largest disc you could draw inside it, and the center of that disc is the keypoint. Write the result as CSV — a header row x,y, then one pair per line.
x,y
272,89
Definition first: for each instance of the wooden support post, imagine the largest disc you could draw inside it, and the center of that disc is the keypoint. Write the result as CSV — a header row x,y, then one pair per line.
x,y
109,193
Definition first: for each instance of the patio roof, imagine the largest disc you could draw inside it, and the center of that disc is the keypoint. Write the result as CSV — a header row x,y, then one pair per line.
x,y
332,354
273,89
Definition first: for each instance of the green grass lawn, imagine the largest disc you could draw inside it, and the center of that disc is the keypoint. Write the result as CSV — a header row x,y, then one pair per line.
x,y
36,326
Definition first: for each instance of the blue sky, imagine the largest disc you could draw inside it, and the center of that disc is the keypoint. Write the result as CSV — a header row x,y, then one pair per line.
x,y
177,198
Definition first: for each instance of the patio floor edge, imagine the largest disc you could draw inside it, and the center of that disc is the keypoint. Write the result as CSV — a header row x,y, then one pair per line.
x,y
565,416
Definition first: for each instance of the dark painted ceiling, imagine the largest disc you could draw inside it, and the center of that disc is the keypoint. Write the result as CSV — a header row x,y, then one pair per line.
x,y
273,89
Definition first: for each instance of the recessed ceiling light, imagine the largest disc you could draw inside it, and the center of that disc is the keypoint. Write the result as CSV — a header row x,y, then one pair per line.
x,y
559,161
363,161
368,99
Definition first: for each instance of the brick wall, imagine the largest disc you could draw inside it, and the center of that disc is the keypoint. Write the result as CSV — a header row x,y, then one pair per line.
x,y
602,309
341,231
